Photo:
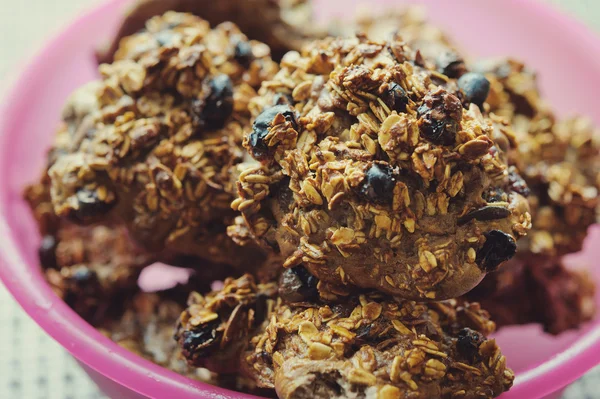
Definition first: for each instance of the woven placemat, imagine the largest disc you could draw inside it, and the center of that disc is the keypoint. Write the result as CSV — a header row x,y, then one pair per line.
x,y
32,365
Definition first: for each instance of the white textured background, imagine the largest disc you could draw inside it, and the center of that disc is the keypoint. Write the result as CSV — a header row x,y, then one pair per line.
x,y
33,366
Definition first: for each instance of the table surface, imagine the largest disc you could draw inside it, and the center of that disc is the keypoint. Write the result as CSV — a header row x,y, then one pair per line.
x,y
32,365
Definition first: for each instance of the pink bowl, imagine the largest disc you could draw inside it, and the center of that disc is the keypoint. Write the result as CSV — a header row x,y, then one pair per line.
x,y
565,53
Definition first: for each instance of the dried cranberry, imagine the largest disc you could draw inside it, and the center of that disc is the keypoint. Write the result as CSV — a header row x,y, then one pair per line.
x,y
498,247
468,343
262,125
439,117
450,64
47,252
475,87
212,111
378,184
395,97
298,285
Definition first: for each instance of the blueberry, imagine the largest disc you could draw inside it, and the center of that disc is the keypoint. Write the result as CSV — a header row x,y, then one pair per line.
x,y
298,285
450,64
439,117
475,87
378,184
440,131
395,97
83,275
89,205
261,127
242,53
498,247
212,111
468,343
517,183
47,252
196,342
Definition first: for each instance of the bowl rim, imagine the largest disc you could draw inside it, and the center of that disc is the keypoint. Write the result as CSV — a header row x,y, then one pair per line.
x,y
104,356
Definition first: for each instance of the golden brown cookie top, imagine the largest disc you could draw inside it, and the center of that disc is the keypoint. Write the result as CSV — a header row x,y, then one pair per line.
x,y
153,142
376,171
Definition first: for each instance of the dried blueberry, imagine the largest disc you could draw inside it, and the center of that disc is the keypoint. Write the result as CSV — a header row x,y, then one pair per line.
x,y
378,184
450,64
212,111
468,343
82,275
197,342
439,117
242,53
47,252
395,97
498,247
475,87
89,205
261,127
517,183
489,212
495,195
298,285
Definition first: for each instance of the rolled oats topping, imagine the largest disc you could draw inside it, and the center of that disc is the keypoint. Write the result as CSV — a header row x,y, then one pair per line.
x,y
155,142
373,173
213,328
369,345
558,159
281,24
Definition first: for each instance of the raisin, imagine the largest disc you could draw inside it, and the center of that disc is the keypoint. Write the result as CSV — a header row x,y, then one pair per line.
x,y
475,87
517,183
212,111
261,127
242,53
498,247
395,97
450,64
298,285
378,184
439,117
89,205
468,342
485,213
47,252
197,342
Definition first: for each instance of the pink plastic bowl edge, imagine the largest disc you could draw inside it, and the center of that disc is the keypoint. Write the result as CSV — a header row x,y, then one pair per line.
x,y
108,359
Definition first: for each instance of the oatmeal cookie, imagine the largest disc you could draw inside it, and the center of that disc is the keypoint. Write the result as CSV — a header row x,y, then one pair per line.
x,y
373,173
559,160
369,345
281,24
154,143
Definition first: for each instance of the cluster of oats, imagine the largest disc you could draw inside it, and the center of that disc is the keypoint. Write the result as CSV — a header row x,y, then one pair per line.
x,y
370,345
367,158
154,142
559,159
